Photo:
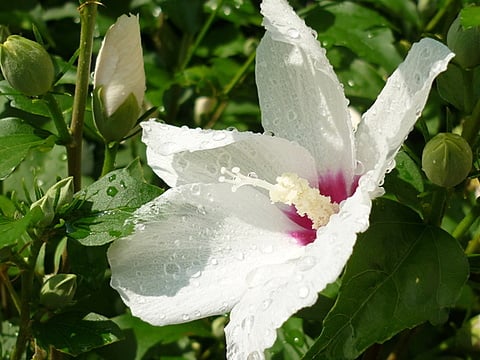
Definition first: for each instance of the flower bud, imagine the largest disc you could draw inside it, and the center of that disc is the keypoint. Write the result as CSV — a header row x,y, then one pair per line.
x,y
447,159
465,43
58,290
26,65
58,195
119,80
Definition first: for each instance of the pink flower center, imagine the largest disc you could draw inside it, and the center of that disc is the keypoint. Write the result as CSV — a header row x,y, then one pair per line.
x,y
333,185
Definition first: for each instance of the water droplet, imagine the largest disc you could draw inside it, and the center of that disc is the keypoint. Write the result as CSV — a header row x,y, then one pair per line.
x,y
197,314
306,263
417,78
314,33
214,261
218,135
292,115
254,356
162,316
185,317
252,175
231,128
122,184
112,177
351,83
171,268
266,303
359,168
293,33
269,133
247,323
112,191
240,256
197,274
140,227
195,189
303,292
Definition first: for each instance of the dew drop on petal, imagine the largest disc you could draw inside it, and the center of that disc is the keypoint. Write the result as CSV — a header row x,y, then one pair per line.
x,y
140,227
247,323
254,356
219,136
293,33
214,261
186,317
303,292
266,303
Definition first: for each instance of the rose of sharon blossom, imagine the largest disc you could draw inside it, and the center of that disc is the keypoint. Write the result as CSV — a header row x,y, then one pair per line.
x,y
257,224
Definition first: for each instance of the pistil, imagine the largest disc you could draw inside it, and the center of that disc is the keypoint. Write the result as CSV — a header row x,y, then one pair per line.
x,y
290,189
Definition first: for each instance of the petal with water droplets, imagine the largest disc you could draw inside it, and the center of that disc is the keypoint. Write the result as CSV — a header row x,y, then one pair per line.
x,y
193,249
183,156
276,292
386,124
300,96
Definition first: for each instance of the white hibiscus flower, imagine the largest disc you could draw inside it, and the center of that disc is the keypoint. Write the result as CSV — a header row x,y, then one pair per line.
x,y
258,224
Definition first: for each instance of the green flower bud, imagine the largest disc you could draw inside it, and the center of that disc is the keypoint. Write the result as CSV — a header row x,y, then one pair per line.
x,y
58,290
447,159
119,81
26,65
465,43
58,195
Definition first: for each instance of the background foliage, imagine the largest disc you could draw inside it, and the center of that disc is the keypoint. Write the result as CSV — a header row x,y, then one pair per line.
x,y
405,291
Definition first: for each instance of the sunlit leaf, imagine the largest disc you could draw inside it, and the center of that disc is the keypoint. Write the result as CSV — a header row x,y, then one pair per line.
x,y
16,139
402,273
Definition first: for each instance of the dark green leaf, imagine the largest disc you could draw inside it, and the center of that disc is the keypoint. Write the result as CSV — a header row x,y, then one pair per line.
x,y
370,37
405,181
108,203
16,139
75,333
401,274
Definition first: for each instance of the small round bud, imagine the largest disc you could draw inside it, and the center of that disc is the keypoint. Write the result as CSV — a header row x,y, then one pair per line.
x,y
26,65
447,159
465,43
58,290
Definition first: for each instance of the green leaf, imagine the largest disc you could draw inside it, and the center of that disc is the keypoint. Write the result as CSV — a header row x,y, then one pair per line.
x,y
75,333
147,336
405,181
358,28
8,337
16,139
401,274
12,231
108,202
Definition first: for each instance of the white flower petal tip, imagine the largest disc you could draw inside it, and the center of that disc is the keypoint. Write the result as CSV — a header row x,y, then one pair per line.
x,y
211,244
119,67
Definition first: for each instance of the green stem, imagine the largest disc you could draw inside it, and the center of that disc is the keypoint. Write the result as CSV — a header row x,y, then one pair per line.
x,y
13,294
471,126
228,88
24,332
88,12
438,16
201,35
437,207
466,222
109,157
58,119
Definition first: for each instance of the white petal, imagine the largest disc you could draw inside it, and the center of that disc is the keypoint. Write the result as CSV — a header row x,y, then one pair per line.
x,y
182,155
193,250
300,96
119,67
276,292
387,123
